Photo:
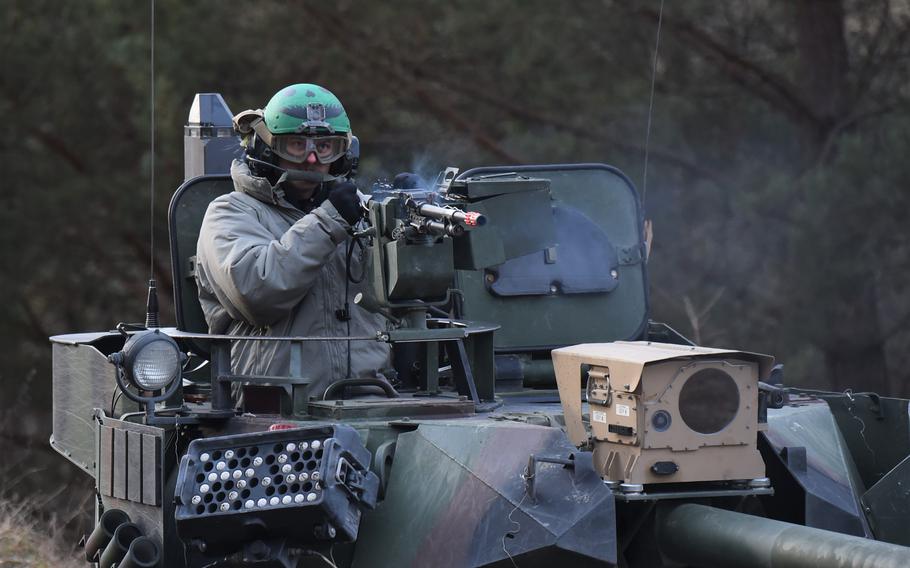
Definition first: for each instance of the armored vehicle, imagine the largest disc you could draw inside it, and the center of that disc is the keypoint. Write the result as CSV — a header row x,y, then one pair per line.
x,y
536,415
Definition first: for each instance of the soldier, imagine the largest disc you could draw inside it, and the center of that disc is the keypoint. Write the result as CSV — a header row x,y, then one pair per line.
x,y
274,256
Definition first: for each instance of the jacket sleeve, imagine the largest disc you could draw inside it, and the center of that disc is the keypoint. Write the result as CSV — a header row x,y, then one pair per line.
x,y
256,277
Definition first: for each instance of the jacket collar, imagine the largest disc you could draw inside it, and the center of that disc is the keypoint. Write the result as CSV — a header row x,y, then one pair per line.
x,y
255,186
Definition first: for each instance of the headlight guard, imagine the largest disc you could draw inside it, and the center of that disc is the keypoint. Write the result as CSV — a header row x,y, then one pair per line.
x,y
150,361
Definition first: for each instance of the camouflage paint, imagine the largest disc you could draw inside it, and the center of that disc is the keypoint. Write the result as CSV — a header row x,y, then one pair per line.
x,y
456,494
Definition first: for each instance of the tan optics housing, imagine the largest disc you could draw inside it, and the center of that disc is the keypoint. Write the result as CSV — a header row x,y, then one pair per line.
x,y
664,413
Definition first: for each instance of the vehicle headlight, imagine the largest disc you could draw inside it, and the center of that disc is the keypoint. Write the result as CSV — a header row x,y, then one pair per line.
x,y
150,361
155,363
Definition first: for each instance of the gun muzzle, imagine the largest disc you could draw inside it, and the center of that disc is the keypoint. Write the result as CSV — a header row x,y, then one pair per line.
x,y
469,218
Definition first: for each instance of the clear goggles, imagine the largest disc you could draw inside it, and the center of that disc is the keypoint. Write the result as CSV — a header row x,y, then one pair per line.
x,y
297,148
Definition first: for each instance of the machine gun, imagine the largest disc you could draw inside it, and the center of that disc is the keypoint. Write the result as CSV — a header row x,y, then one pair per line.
x,y
429,220
415,242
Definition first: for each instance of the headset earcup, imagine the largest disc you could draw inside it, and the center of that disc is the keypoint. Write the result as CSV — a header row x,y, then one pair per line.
x,y
347,164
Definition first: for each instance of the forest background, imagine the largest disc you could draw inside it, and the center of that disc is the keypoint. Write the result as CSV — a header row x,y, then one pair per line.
x,y
778,180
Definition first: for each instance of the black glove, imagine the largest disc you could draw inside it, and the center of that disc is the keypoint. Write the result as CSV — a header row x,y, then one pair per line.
x,y
343,196
407,180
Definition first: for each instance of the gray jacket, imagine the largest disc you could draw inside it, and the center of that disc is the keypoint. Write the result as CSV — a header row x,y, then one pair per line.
x,y
263,267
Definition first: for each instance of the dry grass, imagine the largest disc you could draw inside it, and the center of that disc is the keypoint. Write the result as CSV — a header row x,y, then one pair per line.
x,y
28,540
45,503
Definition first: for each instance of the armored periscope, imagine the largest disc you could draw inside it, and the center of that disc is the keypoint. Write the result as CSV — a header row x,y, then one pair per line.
x,y
533,416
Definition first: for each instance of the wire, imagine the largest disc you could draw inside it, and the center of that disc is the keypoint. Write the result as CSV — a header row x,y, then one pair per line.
x,y
347,283
347,306
115,397
513,533
644,181
311,552
363,272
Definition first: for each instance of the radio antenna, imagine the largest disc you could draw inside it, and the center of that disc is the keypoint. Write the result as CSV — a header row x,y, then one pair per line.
x,y
644,180
151,310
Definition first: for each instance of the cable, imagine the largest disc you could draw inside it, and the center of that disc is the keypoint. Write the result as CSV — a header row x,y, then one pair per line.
x,y
510,533
363,272
115,397
347,286
347,282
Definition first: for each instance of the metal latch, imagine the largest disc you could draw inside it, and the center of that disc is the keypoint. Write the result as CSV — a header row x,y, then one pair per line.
x,y
191,268
598,380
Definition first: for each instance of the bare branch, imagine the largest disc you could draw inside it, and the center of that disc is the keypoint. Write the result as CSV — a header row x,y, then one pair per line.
x,y
693,319
852,121
53,143
33,321
772,88
582,132
141,251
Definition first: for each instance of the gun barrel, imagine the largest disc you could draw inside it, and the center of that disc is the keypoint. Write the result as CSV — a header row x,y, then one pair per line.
x,y
698,535
469,218
439,228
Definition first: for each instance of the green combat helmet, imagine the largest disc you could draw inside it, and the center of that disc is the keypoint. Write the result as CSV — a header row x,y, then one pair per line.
x,y
298,120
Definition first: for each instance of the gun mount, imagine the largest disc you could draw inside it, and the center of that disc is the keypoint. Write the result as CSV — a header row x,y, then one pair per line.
x,y
416,240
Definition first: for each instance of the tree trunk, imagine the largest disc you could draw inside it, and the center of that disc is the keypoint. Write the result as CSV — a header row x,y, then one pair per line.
x,y
854,345
853,342
823,62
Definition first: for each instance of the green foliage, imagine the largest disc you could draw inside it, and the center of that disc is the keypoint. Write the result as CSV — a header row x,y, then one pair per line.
x,y
772,215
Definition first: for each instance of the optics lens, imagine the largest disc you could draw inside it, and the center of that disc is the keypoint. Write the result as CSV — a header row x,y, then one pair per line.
x,y
156,365
661,420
